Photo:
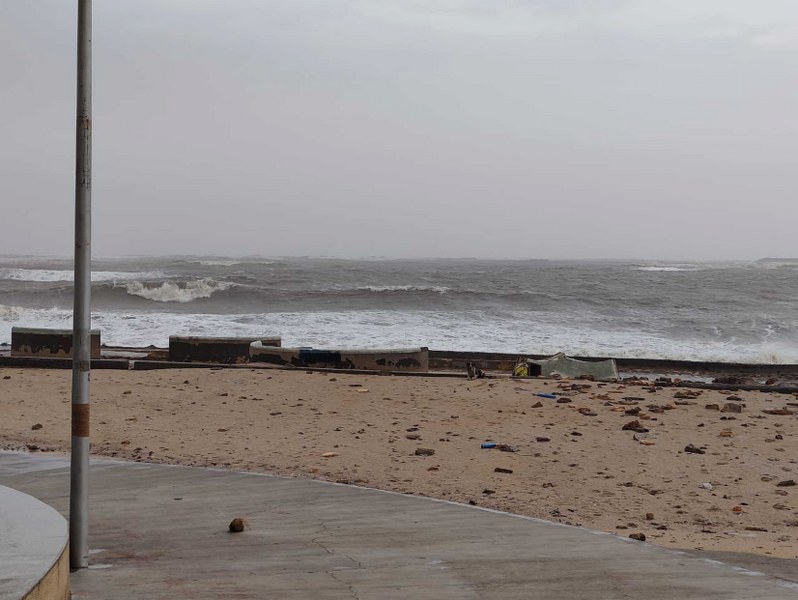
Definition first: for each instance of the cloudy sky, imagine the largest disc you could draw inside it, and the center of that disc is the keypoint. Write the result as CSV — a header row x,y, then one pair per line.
x,y
662,129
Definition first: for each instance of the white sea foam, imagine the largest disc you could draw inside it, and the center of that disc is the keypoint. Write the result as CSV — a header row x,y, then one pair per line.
x,y
665,269
217,263
52,275
170,291
472,330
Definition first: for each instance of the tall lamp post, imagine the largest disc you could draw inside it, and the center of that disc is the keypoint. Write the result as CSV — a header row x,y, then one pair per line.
x,y
81,320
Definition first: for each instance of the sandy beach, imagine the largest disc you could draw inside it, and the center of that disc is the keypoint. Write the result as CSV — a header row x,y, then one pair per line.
x,y
574,461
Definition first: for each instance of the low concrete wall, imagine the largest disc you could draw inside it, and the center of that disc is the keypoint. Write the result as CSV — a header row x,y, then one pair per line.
x,y
220,350
28,341
34,557
406,359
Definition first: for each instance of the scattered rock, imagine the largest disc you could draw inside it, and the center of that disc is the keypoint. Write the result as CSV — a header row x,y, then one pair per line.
x,y
692,449
649,516
542,439
640,537
413,436
424,451
634,426
732,380
756,529
730,407
36,426
502,470
778,411
588,412
236,525
488,492
712,407
537,404
726,433
786,483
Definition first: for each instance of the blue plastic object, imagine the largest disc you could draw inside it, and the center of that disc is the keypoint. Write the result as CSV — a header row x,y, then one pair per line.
x,y
489,445
545,395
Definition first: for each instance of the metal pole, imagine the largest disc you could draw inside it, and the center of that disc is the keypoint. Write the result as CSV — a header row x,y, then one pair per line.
x,y
81,346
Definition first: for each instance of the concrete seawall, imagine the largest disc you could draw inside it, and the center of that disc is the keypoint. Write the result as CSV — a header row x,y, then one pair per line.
x,y
52,343
403,359
221,350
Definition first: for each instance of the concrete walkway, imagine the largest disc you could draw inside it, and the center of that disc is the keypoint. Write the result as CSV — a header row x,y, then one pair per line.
x,y
161,532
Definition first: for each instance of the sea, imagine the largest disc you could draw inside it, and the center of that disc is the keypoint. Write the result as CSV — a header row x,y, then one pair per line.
x,y
727,311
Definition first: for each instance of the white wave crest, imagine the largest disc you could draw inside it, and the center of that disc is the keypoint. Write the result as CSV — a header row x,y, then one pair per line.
x,y
665,269
46,275
404,288
170,291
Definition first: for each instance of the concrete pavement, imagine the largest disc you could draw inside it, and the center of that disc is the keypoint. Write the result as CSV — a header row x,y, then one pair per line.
x,y
161,532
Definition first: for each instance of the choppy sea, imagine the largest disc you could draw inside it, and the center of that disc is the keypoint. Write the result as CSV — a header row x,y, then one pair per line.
x,y
745,312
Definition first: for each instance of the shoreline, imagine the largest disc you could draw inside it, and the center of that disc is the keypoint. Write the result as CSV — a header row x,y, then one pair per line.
x,y
575,464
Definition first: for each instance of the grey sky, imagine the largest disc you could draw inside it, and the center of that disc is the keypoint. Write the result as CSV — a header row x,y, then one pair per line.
x,y
491,128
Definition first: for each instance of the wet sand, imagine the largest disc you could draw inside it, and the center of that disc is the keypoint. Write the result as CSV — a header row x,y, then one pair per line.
x,y
572,466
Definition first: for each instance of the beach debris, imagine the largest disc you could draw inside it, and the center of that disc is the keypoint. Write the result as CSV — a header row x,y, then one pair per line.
x,y
634,426
649,516
786,483
737,509
413,436
567,367
542,439
424,452
712,407
36,426
640,537
236,525
362,390
502,470
643,438
588,412
329,454
545,395
6,376
726,433
474,372
705,486
751,528
500,447
731,407
488,492
693,449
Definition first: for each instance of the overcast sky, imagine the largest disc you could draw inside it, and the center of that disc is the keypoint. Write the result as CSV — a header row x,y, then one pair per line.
x,y
662,129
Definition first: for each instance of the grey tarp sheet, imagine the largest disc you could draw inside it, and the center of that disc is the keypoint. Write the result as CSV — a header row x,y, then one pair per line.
x,y
572,367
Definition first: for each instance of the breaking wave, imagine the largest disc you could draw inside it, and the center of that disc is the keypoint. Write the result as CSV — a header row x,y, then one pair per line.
x,y
50,275
174,292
